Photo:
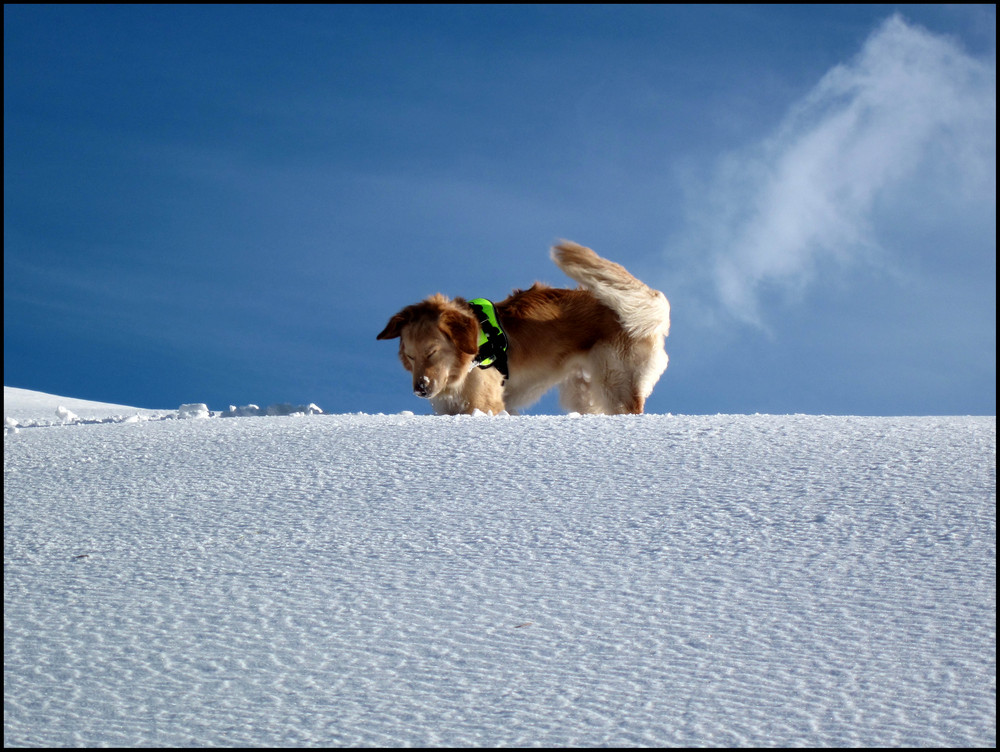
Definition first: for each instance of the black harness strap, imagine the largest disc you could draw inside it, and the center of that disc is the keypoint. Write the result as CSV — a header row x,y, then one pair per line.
x,y
492,339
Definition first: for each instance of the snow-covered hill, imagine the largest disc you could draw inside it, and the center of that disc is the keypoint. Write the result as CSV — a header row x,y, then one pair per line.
x,y
407,580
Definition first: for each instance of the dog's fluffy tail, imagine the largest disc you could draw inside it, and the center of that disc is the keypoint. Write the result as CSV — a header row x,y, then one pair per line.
x,y
643,311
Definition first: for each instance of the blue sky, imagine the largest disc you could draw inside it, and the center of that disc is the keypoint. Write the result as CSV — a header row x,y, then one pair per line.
x,y
225,204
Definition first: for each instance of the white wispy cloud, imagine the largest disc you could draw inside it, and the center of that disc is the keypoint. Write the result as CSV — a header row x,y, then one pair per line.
x,y
808,198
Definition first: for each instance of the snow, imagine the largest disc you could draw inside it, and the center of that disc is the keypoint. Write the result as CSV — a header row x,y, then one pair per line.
x,y
28,409
391,580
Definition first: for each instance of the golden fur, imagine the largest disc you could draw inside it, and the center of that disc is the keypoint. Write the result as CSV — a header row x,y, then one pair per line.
x,y
601,344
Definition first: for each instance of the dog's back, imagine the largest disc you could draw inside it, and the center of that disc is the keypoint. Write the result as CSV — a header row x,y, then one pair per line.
x,y
643,311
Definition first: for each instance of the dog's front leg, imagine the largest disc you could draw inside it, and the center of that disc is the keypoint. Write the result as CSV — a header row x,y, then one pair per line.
x,y
482,390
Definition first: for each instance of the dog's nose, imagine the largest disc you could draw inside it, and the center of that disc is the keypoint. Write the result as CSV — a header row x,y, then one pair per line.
x,y
421,387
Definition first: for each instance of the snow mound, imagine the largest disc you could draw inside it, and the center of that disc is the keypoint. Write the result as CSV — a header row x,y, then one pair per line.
x,y
193,411
272,410
28,409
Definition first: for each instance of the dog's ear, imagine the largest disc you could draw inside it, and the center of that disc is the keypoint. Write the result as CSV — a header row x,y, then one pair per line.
x,y
462,329
395,325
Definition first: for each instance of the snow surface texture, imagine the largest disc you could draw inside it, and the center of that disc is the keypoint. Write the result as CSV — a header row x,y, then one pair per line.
x,y
416,580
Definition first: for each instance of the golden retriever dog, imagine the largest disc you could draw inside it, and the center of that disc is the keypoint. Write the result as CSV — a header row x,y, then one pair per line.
x,y
601,344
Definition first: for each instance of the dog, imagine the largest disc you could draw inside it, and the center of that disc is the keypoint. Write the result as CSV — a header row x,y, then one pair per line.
x,y
602,344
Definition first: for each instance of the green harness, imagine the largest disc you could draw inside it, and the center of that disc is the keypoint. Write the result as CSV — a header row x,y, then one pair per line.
x,y
492,340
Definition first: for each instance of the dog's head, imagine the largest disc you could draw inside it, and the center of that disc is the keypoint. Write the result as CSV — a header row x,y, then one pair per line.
x,y
438,340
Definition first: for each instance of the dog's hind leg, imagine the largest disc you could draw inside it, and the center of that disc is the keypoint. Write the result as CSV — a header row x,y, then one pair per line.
x,y
576,394
626,377
620,394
